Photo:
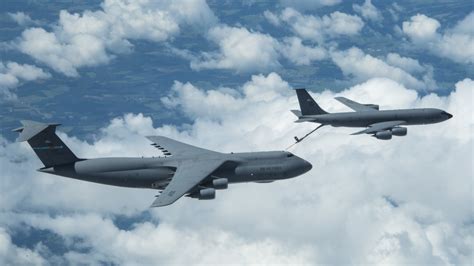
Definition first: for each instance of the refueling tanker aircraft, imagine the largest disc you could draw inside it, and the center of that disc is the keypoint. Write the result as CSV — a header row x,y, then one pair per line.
x,y
185,170
380,124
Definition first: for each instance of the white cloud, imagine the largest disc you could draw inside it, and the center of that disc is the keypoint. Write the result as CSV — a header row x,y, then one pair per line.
x,y
23,19
246,51
299,54
408,64
239,49
316,28
308,4
421,27
86,39
272,18
13,74
361,66
455,43
13,255
294,221
368,11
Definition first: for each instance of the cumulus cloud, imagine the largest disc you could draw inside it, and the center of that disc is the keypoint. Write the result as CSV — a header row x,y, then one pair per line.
x,y
89,38
299,54
23,19
456,43
408,64
316,28
361,66
368,11
385,206
239,49
10,254
13,74
308,4
244,50
421,27
271,17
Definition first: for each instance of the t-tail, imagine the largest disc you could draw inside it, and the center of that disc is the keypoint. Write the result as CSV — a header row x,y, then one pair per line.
x,y
308,105
50,149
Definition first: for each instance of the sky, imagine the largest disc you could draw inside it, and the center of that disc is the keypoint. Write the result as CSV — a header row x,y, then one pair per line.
x,y
220,75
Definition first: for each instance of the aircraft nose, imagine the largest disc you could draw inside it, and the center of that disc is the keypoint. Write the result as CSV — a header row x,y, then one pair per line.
x,y
448,115
306,166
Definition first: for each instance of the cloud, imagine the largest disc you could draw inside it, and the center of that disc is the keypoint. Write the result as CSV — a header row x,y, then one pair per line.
x,y
23,19
244,50
368,11
89,38
410,65
421,27
361,66
146,243
316,28
299,54
11,254
384,206
239,49
272,18
13,74
423,32
308,4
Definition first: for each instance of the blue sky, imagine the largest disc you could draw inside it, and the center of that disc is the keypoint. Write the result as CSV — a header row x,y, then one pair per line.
x,y
220,74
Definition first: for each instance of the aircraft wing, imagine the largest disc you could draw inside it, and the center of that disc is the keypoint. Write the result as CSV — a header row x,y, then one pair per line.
x,y
188,175
380,127
358,107
172,147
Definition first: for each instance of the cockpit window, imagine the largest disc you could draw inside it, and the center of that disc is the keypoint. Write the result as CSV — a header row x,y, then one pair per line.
x,y
290,155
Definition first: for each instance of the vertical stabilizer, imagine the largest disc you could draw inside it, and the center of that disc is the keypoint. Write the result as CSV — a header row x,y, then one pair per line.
x,y
50,149
308,105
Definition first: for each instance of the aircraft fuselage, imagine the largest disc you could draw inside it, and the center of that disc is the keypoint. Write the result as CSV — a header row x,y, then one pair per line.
x,y
156,172
367,118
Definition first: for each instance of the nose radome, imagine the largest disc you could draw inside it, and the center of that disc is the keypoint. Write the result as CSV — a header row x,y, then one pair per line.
x,y
448,115
307,166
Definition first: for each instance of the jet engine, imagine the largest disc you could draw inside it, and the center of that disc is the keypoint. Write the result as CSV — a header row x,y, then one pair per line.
x,y
220,183
399,131
386,134
204,194
373,106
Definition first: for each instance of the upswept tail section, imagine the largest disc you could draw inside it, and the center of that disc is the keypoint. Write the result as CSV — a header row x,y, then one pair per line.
x,y
50,149
308,105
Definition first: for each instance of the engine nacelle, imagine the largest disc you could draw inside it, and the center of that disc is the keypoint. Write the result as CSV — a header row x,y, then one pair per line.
x,y
385,135
399,131
373,106
204,194
220,183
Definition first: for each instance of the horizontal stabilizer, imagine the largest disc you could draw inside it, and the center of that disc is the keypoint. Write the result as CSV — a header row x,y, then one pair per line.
x,y
296,112
304,119
31,129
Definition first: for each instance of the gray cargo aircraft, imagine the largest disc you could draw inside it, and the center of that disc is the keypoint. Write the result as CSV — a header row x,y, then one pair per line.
x,y
184,169
381,124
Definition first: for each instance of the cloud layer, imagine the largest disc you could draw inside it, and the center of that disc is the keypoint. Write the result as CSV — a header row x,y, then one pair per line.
x,y
92,37
456,43
13,74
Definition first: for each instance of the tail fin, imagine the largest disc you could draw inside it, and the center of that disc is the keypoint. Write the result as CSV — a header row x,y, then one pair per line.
x,y
50,149
307,104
